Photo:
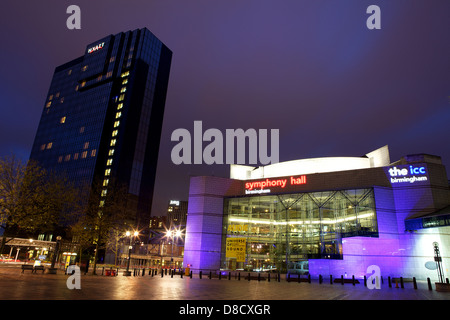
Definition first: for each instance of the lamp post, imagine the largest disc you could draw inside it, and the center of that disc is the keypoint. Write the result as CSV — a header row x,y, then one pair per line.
x,y
172,234
52,269
128,234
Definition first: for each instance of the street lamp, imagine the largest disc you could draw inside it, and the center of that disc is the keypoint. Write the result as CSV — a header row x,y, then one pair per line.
x,y
52,268
172,234
128,234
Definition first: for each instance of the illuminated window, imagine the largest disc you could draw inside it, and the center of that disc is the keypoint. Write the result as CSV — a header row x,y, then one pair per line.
x,y
67,158
84,154
62,100
50,98
62,120
75,156
102,203
49,145
112,59
93,152
48,104
57,95
115,132
109,162
81,129
104,192
69,72
76,88
86,145
111,152
83,83
125,81
116,124
105,182
107,172
119,106
99,77
60,159
109,74
43,146
84,68
122,96
123,90
123,75
118,114
113,142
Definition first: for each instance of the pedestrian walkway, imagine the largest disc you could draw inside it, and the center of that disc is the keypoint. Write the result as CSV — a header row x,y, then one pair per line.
x,y
16,285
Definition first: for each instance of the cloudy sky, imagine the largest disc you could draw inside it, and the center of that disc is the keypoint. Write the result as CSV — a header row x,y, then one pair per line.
x,y
310,68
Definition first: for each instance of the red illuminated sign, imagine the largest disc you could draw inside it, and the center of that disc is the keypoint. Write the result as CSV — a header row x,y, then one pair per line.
x,y
96,48
268,183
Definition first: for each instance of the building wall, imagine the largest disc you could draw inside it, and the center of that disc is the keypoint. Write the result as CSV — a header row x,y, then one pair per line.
x,y
203,242
396,251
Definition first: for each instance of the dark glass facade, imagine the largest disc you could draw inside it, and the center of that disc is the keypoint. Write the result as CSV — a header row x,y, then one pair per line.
x,y
103,116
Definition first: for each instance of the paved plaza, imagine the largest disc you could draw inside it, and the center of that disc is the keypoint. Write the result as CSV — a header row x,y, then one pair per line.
x,y
16,285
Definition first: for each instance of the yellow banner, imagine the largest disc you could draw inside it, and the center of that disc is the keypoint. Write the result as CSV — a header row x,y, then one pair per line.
x,y
236,248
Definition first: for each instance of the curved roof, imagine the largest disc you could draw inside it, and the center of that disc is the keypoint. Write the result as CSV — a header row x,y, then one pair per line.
x,y
377,158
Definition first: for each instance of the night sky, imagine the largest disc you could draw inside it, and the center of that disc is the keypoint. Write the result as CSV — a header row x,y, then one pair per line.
x,y
311,69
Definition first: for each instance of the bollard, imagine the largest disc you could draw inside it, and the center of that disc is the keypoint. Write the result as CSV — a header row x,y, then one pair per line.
x,y
414,282
229,275
353,279
268,277
298,278
259,276
429,284
289,277
162,274
239,276
171,274
389,281
103,269
331,279
446,280
249,276
220,275
401,283
200,274
181,274
342,279
143,272
320,279
210,275
279,277
365,281
190,275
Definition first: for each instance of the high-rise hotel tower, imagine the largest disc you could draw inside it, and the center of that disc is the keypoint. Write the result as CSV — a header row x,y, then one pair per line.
x,y
103,115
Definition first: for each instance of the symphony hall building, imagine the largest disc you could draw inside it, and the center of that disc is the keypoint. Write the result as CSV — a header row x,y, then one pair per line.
x,y
329,216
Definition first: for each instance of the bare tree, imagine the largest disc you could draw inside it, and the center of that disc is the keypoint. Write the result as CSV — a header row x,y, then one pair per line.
x,y
107,214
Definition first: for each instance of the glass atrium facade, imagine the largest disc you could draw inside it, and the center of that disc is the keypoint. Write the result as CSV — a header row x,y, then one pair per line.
x,y
281,232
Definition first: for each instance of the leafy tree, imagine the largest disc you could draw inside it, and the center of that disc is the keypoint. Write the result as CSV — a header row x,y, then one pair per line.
x,y
33,199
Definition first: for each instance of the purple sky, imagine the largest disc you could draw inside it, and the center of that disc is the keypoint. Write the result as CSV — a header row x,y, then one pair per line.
x,y
309,68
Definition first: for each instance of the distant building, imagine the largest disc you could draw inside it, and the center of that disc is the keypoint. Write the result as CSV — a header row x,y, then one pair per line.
x,y
177,214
